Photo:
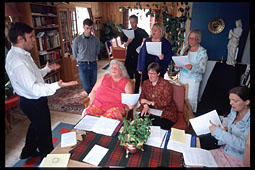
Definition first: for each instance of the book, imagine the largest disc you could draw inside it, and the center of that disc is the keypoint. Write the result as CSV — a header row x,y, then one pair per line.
x,y
55,160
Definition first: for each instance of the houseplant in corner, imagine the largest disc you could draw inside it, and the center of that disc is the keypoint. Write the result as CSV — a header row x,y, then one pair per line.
x,y
134,133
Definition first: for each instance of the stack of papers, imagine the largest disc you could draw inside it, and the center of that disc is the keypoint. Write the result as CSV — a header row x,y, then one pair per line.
x,y
55,160
101,125
157,137
201,123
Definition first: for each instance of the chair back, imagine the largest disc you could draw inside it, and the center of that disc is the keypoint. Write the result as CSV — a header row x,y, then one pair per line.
x,y
108,50
179,96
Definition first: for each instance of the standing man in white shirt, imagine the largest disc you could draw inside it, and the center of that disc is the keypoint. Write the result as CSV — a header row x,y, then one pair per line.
x,y
27,81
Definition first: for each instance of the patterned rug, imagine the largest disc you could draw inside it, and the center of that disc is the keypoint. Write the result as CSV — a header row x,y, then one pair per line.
x,y
67,99
58,129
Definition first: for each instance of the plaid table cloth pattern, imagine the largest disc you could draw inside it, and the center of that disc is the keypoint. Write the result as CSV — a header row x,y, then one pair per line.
x,y
150,157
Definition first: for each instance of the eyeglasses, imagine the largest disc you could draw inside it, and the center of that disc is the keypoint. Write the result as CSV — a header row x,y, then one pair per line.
x,y
192,39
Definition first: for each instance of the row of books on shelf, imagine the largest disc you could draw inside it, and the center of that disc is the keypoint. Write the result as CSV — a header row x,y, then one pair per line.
x,y
50,56
47,40
51,79
43,21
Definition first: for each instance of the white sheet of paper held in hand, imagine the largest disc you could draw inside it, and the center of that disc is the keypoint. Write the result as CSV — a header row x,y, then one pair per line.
x,y
201,123
181,60
153,48
129,33
156,112
129,99
68,139
95,155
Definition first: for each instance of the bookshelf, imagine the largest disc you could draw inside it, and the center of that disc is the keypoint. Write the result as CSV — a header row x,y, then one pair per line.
x,y
42,16
67,20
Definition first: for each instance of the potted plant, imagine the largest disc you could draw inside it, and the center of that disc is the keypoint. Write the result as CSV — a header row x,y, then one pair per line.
x,y
134,133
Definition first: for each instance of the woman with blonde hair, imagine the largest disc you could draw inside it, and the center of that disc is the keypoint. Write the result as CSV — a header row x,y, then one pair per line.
x,y
105,97
192,73
144,58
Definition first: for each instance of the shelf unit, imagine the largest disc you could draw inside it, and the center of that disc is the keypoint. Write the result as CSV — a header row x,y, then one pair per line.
x,y
42,16
67,19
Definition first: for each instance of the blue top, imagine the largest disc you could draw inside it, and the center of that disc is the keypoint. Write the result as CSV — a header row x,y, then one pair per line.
x,y
86,48
144,59
198,62
235,138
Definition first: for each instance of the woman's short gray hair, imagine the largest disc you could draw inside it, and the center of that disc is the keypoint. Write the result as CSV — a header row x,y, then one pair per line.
x,y
122,68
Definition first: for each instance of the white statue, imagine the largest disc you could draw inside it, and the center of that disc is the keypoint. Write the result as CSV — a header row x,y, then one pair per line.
x,y
234,36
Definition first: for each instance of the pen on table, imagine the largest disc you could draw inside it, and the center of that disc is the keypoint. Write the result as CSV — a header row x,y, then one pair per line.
x,y
163,139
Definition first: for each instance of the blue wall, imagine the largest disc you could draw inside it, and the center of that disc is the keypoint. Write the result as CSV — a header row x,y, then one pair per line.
x,y
216,44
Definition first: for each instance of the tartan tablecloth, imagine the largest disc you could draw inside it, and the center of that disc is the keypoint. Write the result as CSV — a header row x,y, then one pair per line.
x,y
150,157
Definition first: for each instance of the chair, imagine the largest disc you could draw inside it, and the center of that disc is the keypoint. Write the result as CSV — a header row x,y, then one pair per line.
x,y
108,47
183,107
129,112
118,52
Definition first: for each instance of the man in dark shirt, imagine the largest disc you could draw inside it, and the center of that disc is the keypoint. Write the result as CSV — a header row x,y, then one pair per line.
x,y
132,55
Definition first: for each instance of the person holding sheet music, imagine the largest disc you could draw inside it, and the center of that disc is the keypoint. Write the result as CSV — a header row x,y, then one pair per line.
x,y
132,45
144,58
192,73
105,97
157,93
233,137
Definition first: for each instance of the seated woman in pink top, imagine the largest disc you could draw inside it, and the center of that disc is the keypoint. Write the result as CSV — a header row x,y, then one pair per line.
x,y
105,97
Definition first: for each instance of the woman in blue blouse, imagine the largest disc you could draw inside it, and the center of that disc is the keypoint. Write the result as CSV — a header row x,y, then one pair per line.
x,y
192,73
233,137
144,59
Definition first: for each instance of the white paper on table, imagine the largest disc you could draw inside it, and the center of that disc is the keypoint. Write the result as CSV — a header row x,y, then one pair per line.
x,y
86,123
55,160
153,48
181,60
156,112
129,33
200,157
155,140
129,99
95,155
68,139
201,123
179,146
105,126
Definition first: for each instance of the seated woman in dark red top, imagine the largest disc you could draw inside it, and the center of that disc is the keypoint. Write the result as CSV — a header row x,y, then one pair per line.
x,y
157,93
105,97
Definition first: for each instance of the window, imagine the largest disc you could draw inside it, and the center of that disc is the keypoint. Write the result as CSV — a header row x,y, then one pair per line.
x,y
143,21
82,14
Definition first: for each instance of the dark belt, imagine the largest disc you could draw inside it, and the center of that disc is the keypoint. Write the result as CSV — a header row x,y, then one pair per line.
x,y
87,62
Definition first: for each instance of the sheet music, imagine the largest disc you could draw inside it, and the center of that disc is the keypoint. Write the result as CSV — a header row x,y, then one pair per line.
x,y
156,112
179,146
105,126
201,123
153,48
87,123
68,139
129,99
199,157
95,155
157,137
129,33
55,160
181,60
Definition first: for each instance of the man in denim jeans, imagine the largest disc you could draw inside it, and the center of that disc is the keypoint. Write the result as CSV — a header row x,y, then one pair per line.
x,y
86,48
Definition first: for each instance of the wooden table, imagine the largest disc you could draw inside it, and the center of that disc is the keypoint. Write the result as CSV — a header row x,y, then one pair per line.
x,y
73,163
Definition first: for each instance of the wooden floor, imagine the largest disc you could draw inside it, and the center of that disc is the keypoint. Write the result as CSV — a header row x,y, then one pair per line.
x,y
15,140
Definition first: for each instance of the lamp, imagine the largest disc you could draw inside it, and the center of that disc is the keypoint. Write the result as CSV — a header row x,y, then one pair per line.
x,y
11,10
